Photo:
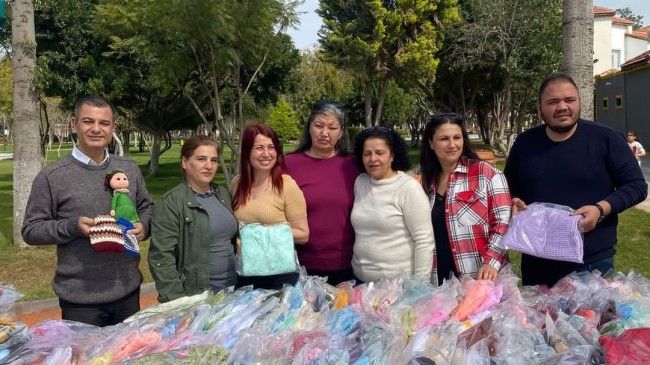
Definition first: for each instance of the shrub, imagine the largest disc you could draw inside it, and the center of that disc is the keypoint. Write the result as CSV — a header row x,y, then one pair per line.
x,y
284,122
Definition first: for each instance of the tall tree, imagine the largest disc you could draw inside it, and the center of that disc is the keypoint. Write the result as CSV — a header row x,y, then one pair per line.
x,y
578,50
203,47
382,40
492,59
28,152
318,80
628,14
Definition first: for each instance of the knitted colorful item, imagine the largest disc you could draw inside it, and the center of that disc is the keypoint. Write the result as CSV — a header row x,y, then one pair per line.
x,y
106,235
123,209
131,245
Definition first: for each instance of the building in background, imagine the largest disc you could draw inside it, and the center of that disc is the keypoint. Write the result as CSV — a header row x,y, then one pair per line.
x,y
622,100
615,42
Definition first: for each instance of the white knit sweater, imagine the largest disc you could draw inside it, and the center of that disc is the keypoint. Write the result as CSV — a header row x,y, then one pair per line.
x,y
392,224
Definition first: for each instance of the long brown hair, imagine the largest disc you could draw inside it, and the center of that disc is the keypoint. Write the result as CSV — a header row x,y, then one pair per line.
x,y
430,166
243,192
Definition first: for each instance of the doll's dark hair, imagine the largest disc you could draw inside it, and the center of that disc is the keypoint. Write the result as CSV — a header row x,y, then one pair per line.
x,y
109,176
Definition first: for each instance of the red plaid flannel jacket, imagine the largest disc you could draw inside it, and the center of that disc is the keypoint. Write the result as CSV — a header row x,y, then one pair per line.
x,y
477,210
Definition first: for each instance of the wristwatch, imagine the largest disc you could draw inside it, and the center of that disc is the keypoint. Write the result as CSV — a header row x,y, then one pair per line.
x,y
602,213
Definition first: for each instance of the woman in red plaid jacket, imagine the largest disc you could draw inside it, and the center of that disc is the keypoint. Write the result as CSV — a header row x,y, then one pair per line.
x,y
470,203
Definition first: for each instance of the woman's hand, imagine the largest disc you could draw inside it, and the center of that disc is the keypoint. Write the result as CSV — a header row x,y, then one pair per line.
x,y
518,205
300,230
487,272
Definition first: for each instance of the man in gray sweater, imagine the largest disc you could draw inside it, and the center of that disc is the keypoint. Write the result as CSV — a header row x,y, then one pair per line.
x,y
95,288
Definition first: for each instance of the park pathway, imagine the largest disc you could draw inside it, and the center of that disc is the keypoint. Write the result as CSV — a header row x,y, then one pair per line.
x,y
34,312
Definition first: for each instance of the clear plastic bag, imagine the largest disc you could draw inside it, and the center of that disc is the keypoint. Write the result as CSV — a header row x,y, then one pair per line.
x,y
8,296
266,250
548,231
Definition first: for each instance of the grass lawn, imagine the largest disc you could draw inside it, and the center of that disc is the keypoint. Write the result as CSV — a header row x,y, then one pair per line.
x,y
31,270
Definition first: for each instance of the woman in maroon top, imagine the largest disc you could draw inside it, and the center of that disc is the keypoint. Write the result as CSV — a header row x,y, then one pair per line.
x,y
325,172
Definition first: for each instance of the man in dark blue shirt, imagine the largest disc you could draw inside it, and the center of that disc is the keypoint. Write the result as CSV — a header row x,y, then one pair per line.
x,y
576,163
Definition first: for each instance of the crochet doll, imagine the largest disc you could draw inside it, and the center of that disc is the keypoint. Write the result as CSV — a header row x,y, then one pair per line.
x,y
122,205
122,208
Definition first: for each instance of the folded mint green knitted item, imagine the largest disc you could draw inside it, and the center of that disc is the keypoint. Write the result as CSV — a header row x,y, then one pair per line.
x,y
267,250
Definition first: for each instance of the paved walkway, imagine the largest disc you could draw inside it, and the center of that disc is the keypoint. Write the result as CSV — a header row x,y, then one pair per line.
x,y
34,312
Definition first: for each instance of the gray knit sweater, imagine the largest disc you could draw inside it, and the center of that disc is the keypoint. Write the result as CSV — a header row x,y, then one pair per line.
x,y
61,193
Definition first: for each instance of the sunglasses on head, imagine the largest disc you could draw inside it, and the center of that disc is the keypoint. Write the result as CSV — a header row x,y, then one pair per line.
x,y
454,117
324,102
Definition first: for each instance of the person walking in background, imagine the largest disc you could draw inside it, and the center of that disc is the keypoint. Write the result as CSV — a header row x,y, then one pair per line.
x,y
263,194
193,228
95,288
637,149
390,216
325,171
469,199
576,163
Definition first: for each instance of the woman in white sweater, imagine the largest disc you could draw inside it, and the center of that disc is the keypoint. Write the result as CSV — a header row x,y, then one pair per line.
x,y
393,232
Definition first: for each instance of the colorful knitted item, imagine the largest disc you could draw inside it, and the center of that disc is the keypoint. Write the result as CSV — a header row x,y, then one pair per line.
x,y
106,235
131,245
267,250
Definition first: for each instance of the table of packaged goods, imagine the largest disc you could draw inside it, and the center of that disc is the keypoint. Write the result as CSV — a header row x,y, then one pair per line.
x,y
584,319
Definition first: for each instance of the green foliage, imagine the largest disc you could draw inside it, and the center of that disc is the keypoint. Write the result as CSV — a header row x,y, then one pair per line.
x,y
628,14
70,64
493,61
401,107
353,132
214,52
383,40
284,122
277,77
6,89
318,80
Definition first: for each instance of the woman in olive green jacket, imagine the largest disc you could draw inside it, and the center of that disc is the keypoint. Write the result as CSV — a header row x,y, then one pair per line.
x,y
193,229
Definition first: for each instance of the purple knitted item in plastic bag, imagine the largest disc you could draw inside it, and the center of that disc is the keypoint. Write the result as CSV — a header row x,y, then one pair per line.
x,y
546,231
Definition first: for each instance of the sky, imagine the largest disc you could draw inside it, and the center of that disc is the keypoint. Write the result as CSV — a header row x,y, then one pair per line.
x,y
306,36
638,7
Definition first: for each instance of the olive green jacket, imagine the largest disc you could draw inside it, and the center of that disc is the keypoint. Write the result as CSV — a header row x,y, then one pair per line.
x,y
179,254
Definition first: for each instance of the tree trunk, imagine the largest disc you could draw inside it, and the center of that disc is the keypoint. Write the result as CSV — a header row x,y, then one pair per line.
x,y
155,155
119,147
368,101
28,151
578,50
382,99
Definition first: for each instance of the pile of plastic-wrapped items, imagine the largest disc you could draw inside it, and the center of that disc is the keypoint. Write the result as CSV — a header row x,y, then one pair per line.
x,y
584,319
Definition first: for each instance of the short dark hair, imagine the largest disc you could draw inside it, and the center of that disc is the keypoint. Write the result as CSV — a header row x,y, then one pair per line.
x,y
394,141
553,77
430,166
94,100
331,108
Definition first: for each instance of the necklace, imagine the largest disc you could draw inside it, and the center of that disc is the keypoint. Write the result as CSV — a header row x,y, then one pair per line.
x,y
311,152
266,186
207,194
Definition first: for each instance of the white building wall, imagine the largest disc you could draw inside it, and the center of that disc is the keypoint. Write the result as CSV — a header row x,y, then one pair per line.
x,y
602,44
618,44
634,47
